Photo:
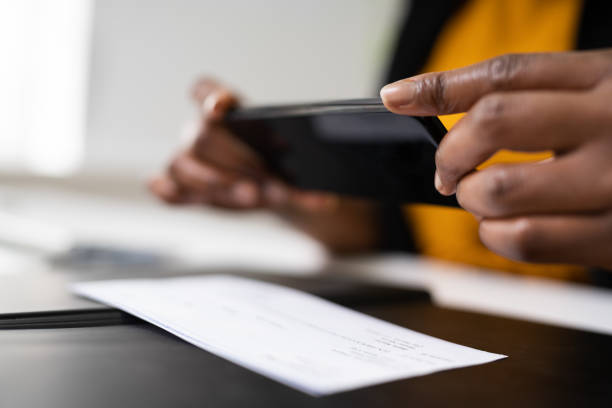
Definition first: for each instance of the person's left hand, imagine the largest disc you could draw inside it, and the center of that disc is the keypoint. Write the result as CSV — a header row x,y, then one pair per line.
x,y
558,210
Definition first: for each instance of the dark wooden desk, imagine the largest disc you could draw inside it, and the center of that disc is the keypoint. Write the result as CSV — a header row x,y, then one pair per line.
x,y
137,365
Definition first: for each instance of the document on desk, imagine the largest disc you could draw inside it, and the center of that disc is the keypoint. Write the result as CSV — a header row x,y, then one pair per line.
x,y
298,339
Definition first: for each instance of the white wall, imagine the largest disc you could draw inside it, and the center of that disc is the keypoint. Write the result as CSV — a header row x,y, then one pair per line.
x,y
146,53
44,54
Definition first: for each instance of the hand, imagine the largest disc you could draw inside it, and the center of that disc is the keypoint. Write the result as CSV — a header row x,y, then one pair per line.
x,y
217,169
558,210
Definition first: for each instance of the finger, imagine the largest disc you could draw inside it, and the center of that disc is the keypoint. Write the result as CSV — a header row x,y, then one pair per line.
x,y
204,87
166,189
576,239
280,196
313,201
569,184
439,93
216,105
213,99
193,175
216,145
243,194
523,121
269,194
205,182
275,194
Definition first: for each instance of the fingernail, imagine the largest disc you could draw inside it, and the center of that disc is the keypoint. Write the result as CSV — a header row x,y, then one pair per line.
x,y
245,193
398,93
442,188
211,103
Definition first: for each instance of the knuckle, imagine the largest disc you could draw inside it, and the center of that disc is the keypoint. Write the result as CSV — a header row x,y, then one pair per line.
x,y
524,240
431,92
497,188
490,111
497,184
489,192
504,70
488,118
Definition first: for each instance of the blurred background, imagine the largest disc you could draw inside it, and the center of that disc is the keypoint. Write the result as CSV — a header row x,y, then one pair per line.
x,y
94,94
100,86
93,99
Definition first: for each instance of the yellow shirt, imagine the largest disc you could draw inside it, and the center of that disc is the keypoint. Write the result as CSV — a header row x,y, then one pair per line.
x,y
483,29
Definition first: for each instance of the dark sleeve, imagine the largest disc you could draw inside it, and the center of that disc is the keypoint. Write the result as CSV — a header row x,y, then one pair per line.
x,y
423,22
595,29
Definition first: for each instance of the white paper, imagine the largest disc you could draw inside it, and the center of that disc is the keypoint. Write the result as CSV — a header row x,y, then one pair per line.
x,y
290,336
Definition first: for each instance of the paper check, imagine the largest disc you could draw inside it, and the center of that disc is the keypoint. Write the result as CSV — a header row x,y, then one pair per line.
x,y
293,337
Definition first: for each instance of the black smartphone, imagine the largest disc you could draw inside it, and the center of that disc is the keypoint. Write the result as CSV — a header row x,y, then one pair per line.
x,y
355,147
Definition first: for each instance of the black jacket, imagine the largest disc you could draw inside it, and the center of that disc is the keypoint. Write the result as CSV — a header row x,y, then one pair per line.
x,y
425,19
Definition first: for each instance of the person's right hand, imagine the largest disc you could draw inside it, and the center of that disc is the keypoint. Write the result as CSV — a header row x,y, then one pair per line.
x,y
217,169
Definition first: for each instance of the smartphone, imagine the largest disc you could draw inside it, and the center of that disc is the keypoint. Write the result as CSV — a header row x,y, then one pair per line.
x,y
354,147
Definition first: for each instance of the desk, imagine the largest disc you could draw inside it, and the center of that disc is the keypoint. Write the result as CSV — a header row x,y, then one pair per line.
x,y
138,365
141,366
529,298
